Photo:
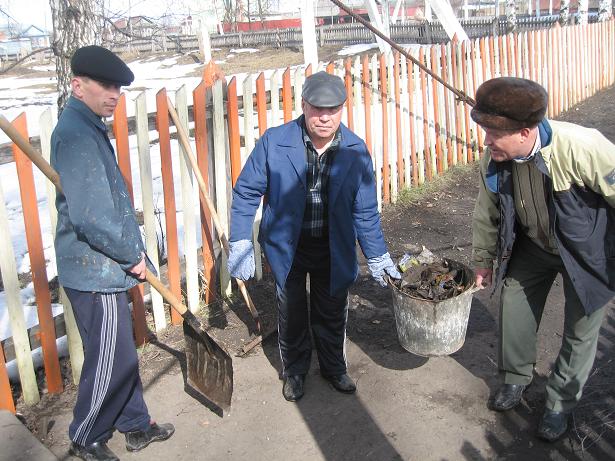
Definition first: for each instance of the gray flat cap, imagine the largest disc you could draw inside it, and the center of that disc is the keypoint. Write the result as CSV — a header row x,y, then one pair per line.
x,y
102,65
324,90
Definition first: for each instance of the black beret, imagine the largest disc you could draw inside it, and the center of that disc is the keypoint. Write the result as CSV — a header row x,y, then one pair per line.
x,y
324,90
510,103
101,64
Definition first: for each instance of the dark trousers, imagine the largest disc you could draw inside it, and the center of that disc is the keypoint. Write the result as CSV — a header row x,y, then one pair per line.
x,y
526,287
110,392
326,316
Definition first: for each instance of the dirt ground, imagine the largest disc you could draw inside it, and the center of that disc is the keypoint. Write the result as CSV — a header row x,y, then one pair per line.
x,y
407,407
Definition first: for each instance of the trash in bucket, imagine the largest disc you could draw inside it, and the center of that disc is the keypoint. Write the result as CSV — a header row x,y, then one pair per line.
x,y
432,307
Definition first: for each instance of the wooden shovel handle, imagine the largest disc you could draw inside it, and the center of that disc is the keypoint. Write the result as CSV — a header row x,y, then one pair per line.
x,y
54,177
183,139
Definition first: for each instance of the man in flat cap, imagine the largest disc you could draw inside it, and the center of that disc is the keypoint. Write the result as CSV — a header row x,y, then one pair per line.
x,y
100,255
318,180
546,206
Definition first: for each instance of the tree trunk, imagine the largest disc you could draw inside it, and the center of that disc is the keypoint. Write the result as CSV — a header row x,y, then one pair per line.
x,y
564,13
605,10
511,16
583,5
74,26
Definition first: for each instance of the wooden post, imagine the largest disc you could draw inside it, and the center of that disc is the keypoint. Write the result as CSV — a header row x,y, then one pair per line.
x,y
466,86
170,213
426,150
37,262
479,135
386,187
458,105
147,197
274,92
397,100
120,131
6,396
412,113
201,140
234,137
447,115
261,104
436,111
349,99
367,101
287,96
376,116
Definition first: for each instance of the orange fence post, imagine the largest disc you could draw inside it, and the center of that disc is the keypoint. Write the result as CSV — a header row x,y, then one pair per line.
x,y
458,108
516,55
530,55
479,134
466,108
413,162
120,131
510,67
386,193
261,104
287,96
349,92
173,269
6,396
202,155
400,154
331,67
502,56
367,101
37,261
234,137
426,150
436,110
308,70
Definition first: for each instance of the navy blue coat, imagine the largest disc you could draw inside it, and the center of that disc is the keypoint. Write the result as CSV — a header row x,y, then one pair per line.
x,y
276,169
97,237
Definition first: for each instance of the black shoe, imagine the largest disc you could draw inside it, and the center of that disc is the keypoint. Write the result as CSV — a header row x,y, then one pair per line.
x,y
553,425
97,451
342,383
292,390
507,397
138,440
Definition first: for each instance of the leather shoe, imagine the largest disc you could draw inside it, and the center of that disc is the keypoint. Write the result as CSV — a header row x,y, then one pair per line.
x,y
97,451
292,390
138,440
553,425
507,397
342,383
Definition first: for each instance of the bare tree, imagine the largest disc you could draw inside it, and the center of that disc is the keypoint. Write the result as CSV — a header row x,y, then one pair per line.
x,y
74,25
605,10
564,12
511,16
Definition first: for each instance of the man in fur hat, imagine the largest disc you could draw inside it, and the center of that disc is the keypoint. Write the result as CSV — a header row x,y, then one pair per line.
x,y
546,205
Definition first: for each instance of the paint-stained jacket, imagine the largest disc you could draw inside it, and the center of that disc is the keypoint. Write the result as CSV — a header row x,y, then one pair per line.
x,y
578,167
277,168
97,236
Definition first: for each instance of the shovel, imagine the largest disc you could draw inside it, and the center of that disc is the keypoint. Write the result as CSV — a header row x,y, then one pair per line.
x,y
183,139
209,366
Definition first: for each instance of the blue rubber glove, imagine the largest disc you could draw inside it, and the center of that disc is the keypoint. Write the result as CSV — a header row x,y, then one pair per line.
x,y
241,259
381,265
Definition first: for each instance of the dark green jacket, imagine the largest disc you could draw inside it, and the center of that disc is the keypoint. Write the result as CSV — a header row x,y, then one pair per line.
x,y
578,167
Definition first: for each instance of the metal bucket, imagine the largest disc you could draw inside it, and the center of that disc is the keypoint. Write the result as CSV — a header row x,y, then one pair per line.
x,y
434,328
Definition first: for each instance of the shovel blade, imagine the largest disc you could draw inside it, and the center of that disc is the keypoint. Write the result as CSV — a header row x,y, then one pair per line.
x,y
209,367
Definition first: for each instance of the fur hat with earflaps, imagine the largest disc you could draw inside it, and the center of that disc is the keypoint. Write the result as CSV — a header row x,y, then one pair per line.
x,y
509,103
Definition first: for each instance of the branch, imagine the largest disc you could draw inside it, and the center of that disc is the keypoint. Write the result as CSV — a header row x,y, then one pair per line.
x,y
40,50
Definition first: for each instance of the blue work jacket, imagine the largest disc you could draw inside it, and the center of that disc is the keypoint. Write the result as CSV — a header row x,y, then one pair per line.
x,y
276,169
97,237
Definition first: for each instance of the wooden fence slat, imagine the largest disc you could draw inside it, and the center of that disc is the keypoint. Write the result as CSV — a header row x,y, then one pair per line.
x,y
398,131
37,262
188,206
234,136
391,127
21,341
349,93
412,113
436,109
359,126
377,132
405,122
466,107
201,135
261,104
120,131
170,212
455,65
147,199
73,338
298,87
386,187
473,58
447,115
274,91
287,96
6,396
367,101
426,150
248,116
222,172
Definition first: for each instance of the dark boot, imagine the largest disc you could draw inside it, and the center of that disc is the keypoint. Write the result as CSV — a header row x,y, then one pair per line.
x,y
553,425
97,451
138,440
292,390
508,397
342,383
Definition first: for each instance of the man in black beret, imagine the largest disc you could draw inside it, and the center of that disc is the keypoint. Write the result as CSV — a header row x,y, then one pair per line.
x,y
546,206
100,255
318,179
